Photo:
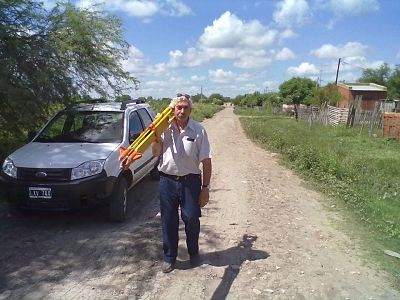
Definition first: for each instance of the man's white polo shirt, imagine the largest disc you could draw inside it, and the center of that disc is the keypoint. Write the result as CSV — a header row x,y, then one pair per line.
x,y
183,151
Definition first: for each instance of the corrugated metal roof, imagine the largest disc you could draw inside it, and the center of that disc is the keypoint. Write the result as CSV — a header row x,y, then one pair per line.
x,y
366,88
357,86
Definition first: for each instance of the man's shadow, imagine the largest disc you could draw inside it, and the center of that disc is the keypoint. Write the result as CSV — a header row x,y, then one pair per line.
x,y
232,258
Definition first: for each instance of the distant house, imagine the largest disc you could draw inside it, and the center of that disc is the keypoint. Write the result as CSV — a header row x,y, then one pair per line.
x,y
371,93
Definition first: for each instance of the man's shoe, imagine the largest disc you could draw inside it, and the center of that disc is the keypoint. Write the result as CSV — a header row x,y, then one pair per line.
x,y
167,267
195,260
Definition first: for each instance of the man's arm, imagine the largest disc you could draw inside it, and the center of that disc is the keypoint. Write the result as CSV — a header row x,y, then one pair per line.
x,y
204,196
156,147
207,169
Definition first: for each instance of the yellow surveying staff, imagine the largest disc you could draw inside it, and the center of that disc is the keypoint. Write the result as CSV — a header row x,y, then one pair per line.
x,y
135,150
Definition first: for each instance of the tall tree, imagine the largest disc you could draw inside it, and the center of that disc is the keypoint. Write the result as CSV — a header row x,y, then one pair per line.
x,y
327,94
216,96
394,84
386,76
54,56
297,90
379,75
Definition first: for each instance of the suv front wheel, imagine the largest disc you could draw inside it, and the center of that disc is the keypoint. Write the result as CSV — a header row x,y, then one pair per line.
x,y
119,201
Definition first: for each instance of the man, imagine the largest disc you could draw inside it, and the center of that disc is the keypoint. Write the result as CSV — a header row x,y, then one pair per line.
x,y
182,147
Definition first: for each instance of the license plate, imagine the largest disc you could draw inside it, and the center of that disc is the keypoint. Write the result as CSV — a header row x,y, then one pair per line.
x,y
40,192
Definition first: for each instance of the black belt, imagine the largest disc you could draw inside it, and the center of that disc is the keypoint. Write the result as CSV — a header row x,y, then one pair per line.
x,y
178,178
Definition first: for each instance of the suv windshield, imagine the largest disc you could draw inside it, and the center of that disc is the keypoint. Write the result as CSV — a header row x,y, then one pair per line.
x,y
83,127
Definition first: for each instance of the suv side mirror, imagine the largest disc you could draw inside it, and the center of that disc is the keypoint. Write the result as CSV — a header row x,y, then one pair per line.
x,y
31,135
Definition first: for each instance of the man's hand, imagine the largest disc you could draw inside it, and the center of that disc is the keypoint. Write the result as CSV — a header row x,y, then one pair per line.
x,y
156,147
204,197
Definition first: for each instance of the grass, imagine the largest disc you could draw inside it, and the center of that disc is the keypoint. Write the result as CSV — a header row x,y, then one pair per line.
x,y
361,173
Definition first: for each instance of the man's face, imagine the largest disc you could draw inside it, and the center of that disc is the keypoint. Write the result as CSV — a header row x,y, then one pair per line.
x,y
182,110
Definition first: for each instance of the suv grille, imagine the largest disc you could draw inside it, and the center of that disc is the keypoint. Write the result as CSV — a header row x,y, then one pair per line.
x,y
44,175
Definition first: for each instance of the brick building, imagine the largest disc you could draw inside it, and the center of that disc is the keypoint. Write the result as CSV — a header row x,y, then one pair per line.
x,y
371,93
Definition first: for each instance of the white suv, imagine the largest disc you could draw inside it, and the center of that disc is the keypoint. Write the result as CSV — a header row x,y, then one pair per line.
x,y
73,160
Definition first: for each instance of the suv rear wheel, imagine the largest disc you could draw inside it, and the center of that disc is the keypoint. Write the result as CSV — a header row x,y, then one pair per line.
x,y
119,201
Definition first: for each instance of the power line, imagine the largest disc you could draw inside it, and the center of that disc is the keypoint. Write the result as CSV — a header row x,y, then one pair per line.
x,y
347,63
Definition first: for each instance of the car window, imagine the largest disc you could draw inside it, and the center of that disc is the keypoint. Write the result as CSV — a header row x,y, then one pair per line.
x,y
145,117
83,127
135,125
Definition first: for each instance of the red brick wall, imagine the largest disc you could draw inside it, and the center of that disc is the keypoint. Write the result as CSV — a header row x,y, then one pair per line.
x,y
369,98
346,97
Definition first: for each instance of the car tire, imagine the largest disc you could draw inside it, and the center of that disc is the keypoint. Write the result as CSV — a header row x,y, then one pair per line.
x,y
119,201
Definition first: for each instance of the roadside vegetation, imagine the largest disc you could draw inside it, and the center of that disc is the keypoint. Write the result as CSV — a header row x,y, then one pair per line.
x,y
201,111
361,173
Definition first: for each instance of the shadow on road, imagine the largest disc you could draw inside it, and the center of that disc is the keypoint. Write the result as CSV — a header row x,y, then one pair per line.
x,y
50,247
232,258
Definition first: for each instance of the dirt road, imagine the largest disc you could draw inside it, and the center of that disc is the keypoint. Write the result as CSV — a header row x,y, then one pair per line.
x,y
264,236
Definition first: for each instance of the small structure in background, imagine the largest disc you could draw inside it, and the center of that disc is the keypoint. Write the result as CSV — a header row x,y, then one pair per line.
x,y
371,94
396,106
391,125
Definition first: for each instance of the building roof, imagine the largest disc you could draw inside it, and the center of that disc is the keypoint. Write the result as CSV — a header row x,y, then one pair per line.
x,y
360,86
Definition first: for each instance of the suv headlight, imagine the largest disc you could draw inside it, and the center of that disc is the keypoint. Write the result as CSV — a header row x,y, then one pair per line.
x,y
9,168
87,169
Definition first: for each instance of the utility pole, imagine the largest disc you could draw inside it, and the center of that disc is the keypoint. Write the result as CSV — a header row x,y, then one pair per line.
x,y
337,71
201,94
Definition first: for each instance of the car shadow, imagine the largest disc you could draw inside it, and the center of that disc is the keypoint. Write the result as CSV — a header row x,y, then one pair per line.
x,y
44,247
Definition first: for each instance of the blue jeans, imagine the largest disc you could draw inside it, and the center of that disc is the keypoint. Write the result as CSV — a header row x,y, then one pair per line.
x,y
183,192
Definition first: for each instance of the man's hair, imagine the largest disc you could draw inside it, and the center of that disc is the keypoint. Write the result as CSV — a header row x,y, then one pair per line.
x,y
181,97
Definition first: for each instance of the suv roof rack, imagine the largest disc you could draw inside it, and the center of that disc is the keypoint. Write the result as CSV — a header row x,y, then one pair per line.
x,y
132,101
87,102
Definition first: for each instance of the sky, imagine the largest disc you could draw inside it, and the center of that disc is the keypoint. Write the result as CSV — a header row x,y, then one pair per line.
x,y
237,47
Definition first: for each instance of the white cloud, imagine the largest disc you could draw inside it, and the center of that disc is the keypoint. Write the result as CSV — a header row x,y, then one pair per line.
x,y
353,7
348,8
168,86
398,55
285,54
230,32
358,63
140,8
196,78
139,66
286,34
304,69
135,8
176,8
290,13
252,59
270,85
331,51
222,76
243,42
192,58
229,38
